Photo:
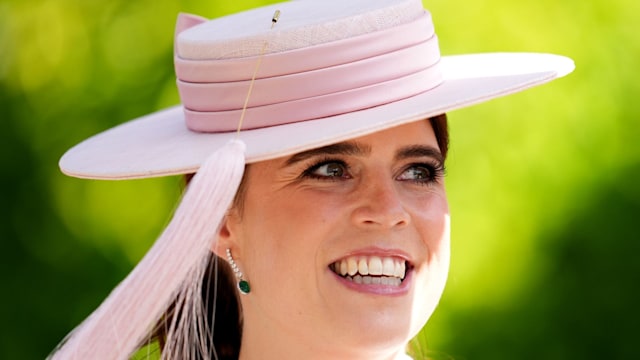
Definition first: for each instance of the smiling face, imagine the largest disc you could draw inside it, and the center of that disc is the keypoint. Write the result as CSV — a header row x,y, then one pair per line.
x,y
346,247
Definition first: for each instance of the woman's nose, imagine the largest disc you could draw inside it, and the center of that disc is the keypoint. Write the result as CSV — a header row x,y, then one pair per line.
x,y
379,204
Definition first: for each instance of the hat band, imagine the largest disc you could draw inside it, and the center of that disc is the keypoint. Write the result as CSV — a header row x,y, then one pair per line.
x,y
400,66
315,107
278,89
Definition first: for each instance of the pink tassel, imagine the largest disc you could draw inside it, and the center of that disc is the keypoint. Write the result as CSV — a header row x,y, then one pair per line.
x,y
172,269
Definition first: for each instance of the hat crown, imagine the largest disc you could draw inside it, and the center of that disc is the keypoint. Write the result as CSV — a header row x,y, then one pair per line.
x,y
324,59
302,24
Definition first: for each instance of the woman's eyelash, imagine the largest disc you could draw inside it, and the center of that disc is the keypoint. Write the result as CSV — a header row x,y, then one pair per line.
x,y
435,172
420,172
339,172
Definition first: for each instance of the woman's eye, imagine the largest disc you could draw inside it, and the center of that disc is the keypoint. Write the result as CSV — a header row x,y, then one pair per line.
x,y
331,170
419,173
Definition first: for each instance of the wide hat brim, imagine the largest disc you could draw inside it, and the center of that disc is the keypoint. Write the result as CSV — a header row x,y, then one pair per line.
x,y
160,144
376,66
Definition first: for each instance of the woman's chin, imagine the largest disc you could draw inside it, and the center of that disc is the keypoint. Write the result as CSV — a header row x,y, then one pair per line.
x,y
378,316
375,320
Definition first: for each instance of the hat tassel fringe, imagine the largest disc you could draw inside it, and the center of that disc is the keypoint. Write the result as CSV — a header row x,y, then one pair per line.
x,y
170,273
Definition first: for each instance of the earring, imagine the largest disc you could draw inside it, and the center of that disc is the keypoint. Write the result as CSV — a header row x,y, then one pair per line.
x,y
243,285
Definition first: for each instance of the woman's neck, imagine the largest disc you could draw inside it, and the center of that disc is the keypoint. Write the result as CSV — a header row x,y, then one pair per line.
x,y
267,343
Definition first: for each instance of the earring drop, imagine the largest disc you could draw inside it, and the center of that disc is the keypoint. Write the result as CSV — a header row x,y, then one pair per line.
x,y
243,285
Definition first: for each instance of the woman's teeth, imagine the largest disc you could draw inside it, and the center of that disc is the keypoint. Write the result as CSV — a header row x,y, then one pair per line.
x,y
371,270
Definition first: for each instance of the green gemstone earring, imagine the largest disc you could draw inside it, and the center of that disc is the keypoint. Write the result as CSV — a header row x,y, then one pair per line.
x,y
243,285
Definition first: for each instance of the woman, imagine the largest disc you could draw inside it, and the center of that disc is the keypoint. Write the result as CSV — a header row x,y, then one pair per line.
x,y
356,232
337,233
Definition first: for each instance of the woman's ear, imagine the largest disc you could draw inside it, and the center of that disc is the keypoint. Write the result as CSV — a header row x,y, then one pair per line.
x,y
227,235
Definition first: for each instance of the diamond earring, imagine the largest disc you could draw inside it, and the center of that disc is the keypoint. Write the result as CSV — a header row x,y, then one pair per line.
x,y
243,285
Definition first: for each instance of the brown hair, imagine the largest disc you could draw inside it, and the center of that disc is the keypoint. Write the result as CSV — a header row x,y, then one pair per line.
x,y
441,129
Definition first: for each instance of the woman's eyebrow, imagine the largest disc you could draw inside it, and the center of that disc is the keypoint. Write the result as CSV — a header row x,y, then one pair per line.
x,y
415,151
343,148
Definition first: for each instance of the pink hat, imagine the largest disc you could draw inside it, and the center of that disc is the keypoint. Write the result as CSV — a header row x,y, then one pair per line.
x,y
317,73
328,71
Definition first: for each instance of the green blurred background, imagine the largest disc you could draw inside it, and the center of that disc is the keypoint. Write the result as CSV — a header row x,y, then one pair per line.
x,y
544,185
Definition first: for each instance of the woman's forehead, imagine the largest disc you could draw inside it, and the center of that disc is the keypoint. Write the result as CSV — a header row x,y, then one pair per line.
x,y
408,140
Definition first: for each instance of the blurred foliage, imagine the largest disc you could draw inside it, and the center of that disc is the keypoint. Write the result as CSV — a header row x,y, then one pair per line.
x,y
543,185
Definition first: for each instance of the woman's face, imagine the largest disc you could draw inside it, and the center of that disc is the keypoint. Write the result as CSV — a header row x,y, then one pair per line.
x,y
345,246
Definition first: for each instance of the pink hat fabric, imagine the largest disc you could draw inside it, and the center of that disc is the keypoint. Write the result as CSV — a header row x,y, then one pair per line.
x,y
328,71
